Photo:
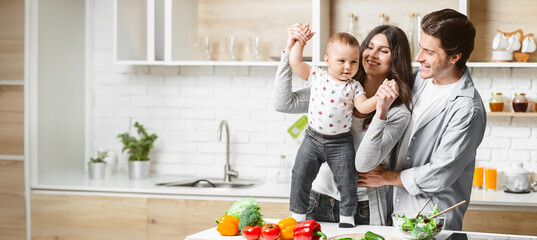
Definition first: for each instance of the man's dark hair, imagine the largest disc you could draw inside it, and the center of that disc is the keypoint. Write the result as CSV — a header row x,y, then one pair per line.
x,y
455,31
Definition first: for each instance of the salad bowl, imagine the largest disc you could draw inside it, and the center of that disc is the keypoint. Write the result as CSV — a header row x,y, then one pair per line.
x,y
417,228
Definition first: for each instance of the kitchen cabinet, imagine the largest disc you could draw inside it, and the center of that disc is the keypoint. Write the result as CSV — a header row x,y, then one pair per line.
x,y
56,91
63,216
12,40
506,222
88,217
169,30
12,182
12,200
158,43
12,121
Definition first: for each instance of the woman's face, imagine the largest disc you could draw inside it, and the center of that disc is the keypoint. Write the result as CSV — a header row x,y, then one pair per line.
x,y
377,56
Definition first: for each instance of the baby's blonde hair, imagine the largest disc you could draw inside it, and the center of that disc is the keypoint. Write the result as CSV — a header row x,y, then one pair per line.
x,y
343,38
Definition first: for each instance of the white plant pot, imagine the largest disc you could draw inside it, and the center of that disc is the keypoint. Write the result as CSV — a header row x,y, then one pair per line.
x,y
138,169
97,170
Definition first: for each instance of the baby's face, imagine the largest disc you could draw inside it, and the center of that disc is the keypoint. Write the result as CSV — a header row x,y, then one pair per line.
x,y
342,61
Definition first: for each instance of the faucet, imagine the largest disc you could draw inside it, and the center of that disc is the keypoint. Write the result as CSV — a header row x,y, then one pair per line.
x,y
228,172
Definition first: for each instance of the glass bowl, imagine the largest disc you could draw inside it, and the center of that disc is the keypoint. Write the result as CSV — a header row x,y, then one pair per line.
x,y
418,228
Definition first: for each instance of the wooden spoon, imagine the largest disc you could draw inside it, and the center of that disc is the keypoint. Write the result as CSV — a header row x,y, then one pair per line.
x,y
418,213
447,210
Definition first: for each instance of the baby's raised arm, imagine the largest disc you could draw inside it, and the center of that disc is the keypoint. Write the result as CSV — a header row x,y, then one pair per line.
x,y
301,68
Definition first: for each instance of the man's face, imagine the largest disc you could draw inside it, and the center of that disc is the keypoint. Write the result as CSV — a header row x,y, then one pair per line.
x,y
434,62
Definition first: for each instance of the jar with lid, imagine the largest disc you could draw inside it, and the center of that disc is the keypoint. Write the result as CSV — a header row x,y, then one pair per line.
x,y
496,102
517,179
520,102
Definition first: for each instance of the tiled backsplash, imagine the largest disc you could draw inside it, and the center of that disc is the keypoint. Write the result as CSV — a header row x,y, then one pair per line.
x,y
184,105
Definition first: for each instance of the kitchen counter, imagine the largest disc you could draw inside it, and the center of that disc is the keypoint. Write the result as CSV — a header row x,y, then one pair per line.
x,y
268,191
389,233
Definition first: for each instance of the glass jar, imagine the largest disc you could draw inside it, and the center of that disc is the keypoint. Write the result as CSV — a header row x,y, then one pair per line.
x,y
496,102
520,102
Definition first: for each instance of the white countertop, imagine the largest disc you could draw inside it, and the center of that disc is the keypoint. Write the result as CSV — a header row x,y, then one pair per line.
x,y
332,230
265,191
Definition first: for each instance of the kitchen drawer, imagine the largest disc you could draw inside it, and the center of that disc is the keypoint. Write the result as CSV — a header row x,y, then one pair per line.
x,y
506,222
12,200
11,120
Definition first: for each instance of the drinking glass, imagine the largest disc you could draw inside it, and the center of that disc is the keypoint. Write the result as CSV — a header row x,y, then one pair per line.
x,y
254,47
490,178
478,177
231,48
206,47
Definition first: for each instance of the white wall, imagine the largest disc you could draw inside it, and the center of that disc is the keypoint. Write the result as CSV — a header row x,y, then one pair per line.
x,y
184,105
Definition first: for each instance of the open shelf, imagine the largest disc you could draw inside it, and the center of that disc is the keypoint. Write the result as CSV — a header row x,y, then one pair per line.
x,y
512,114
168,32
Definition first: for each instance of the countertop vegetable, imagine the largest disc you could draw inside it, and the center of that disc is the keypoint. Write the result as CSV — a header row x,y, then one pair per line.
x,y
228,225
251,216
239,206
308,230
287,226
270,231
251,232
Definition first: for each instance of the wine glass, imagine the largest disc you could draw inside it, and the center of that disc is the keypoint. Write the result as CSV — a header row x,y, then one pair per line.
x,y
206,47
231,48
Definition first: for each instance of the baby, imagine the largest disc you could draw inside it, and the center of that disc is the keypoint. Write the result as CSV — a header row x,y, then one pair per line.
x,y
333,96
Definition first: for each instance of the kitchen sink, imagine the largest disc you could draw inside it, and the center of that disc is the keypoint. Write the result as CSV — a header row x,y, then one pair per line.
x,y
210,183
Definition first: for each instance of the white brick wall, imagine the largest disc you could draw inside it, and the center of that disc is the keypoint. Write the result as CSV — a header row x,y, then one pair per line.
x,y
184,106
508,139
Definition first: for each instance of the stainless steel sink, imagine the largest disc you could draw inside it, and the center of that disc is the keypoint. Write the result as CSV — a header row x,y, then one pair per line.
x,y
210,183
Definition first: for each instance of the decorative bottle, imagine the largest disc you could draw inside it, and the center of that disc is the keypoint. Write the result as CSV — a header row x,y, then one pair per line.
x,y
411,34
382,19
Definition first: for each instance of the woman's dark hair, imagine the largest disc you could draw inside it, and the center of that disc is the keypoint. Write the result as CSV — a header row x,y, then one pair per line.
x,y
455,31
400,65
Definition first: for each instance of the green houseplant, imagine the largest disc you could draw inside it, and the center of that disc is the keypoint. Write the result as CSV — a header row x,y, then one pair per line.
x,y
138,150
97,166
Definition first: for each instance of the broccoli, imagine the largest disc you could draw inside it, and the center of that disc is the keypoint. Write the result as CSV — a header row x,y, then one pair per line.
x,y
251,216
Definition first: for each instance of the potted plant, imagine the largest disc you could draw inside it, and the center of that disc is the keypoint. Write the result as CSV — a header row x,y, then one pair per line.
x,y
138,150
97,166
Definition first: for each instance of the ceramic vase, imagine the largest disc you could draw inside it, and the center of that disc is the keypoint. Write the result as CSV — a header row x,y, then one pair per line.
x,y
138,169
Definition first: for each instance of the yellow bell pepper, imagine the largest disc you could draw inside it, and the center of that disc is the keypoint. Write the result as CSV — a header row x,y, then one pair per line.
x,y
228,225
287,225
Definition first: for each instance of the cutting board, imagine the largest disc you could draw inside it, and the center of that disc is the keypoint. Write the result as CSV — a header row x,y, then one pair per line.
x,y
361,235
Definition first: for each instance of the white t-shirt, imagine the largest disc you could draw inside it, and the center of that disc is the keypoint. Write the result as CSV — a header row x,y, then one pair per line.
x,y
331,102
432,97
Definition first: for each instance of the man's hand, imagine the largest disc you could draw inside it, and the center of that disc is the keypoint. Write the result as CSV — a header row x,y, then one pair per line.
x,y
379,177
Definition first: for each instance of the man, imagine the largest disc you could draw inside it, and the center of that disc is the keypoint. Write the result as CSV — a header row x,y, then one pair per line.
x,y
436,156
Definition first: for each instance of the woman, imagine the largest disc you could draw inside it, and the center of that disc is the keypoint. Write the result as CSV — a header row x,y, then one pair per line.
x,y
385,54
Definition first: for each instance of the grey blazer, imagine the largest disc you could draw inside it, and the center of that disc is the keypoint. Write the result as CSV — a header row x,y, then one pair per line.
x,y
441,154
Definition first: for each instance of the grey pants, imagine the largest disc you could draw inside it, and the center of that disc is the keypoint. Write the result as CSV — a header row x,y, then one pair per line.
x,y
338,152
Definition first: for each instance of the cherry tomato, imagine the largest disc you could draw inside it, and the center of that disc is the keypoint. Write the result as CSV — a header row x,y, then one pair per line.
x,y
251,233
270,231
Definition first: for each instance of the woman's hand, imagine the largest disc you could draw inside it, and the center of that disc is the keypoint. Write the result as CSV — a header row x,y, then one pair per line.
x,y
298,32
386,94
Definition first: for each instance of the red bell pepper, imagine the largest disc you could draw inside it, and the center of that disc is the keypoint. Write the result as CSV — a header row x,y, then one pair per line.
x,y
308,230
